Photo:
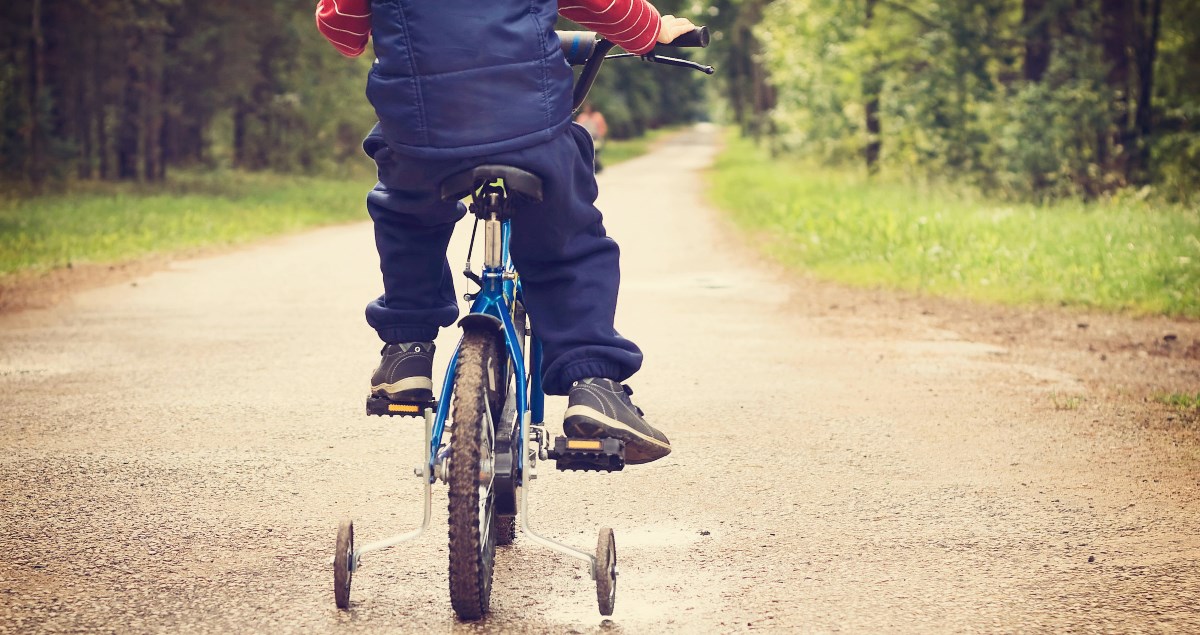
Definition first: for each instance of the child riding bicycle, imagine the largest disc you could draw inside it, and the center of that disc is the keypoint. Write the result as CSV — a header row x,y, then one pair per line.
x,y
459,83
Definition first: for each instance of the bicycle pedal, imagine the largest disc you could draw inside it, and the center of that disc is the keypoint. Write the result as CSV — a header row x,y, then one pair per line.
x,y
588,455
384,407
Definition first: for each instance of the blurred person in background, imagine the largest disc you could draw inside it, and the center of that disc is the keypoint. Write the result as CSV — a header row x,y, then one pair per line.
x,y
593,121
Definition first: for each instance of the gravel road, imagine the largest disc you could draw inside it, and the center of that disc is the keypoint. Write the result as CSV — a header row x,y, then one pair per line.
x,y
177,452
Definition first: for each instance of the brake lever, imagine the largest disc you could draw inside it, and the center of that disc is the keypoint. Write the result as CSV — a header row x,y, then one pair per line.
x,y
674,61
669,61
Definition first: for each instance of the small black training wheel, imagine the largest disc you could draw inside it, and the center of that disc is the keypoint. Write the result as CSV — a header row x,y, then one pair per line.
x,y
606,571
343,558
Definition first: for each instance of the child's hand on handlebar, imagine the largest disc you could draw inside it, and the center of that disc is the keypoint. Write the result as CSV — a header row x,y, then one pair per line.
x,y
673,27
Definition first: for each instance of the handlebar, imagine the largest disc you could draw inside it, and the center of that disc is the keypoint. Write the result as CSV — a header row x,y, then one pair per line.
x,y
578,46
587,49
696,38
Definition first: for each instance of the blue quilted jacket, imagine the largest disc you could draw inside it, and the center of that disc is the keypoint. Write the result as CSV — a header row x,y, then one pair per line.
x,y
464,78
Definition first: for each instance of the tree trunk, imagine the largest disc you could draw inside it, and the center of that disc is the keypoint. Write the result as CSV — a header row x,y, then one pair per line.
x,y
764,94
37,123
93,108
86,110
152,117
104,150
1147,53
1117,20
872,86
750,93
129,146
239,134
1035,25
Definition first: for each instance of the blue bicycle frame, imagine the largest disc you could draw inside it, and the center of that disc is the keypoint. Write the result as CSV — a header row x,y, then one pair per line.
x,y
500,288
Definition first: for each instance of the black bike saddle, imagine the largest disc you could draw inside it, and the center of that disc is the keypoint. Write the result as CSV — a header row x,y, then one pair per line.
x,y
460,185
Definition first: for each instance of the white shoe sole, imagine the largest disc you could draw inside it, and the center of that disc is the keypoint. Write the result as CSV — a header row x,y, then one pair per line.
x,y
404,385
609,422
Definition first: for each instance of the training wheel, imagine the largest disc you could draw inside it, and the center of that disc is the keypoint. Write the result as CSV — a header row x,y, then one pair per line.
x,y
606,571
343,560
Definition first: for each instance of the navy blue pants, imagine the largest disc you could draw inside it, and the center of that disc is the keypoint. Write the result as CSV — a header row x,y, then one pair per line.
x,y
569,268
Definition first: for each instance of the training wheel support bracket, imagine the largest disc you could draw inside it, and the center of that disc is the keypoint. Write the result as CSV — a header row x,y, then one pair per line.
x,y
427,484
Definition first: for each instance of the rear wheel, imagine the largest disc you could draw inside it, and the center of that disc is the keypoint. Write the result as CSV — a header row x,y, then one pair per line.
x,y
472,473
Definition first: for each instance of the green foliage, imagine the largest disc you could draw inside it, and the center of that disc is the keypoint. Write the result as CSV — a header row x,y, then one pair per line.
x,y
736,53
125,89
1176,149
957,94
1063,119
1120,254
804,49
122,89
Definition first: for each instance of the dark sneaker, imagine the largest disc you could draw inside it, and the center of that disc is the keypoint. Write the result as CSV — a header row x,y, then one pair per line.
x,y
405,373
598,408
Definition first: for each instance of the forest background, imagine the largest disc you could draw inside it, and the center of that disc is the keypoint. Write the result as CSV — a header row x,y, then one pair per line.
x,y
232,121
132,89
1028,98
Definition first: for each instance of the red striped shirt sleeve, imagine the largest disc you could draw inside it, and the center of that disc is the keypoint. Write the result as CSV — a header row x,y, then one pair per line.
x,y
346,24
631,24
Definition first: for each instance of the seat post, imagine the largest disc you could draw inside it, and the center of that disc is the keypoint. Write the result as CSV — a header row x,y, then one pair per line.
x,y
493,232
493,242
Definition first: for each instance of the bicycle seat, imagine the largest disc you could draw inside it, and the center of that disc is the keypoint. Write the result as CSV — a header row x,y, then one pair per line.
x,y
517,180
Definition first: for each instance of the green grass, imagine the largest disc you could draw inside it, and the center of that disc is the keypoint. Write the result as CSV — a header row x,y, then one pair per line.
x,y
1063,401
1187,405
108,223
1126,255
105,223
1181,400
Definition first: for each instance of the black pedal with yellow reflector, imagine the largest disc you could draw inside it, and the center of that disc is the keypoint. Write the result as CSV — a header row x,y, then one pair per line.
x,y
384,407
589,455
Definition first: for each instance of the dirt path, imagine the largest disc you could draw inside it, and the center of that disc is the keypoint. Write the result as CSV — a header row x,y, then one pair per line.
x,y
177,454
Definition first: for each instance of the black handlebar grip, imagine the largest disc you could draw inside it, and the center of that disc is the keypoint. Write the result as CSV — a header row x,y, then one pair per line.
x,y
577,45
696,38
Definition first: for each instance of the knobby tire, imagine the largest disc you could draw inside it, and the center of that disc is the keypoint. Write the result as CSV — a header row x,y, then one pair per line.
x,y
471,555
